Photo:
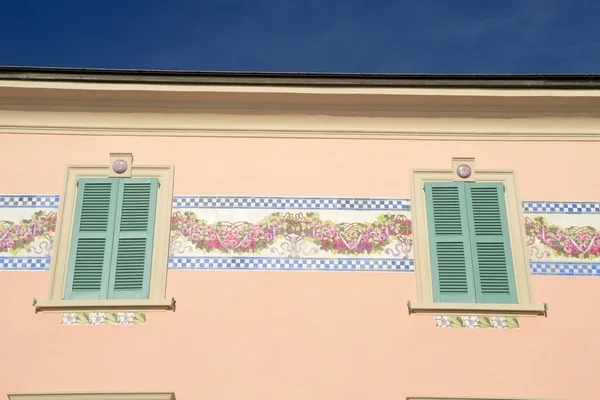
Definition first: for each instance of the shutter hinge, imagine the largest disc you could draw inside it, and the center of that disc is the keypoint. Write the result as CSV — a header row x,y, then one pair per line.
x,y
77,184
159,184
504,187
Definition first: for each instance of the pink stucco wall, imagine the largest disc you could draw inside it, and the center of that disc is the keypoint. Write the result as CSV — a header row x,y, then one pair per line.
x,y
299,335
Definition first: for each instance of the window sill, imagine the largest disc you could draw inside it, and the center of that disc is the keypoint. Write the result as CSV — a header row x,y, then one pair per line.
x,y
103,305
92,396
488,309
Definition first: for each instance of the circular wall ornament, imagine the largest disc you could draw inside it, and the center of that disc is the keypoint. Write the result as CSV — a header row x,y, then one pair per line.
x,y
464,171
119,166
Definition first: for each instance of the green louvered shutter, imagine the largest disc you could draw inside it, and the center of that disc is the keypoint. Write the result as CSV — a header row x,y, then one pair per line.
x,y
451,263
134,238
92,239
490,243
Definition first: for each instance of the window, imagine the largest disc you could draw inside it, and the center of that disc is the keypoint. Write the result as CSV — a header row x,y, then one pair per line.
x,y
470,251
112,240
471,259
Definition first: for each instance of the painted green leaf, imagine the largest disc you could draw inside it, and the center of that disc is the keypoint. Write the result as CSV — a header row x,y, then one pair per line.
x,y
139,318
83,318
484,322
512,322
110,318
456,322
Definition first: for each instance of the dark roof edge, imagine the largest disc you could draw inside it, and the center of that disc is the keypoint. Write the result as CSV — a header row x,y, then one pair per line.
x,y
176,77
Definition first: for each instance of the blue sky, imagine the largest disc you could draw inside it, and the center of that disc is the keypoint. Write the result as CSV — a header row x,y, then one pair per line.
x,y
398,36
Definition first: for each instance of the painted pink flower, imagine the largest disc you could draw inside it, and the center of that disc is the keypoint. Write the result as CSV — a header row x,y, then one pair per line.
x,y
230,243
214,244
570,248
27,235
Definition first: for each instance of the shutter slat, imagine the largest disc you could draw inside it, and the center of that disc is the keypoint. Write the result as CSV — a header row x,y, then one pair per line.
x,y
493,267
450,250
132,257
91,241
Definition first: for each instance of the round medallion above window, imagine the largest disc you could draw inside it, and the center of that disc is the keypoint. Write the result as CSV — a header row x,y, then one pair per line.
x,y
464,171
119,166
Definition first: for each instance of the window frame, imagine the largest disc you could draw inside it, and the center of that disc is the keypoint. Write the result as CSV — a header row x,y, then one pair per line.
x,y
64,229
93,396
422,259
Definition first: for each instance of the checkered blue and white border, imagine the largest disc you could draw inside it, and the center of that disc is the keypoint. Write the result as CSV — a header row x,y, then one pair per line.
x,y
536,207
29,201
25,263
540,207
313,264
324,264
565,268
290,202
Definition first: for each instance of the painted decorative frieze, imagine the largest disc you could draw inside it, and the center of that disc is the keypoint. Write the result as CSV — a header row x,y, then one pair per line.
x,y
292,234
476,321
31,235
103,318
547,240
342,234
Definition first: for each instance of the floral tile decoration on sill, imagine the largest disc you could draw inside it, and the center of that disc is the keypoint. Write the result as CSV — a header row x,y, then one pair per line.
x,y
476,321
103,318
284,233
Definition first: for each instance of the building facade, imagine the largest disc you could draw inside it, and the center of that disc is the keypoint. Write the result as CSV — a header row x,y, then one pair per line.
x,y
285,236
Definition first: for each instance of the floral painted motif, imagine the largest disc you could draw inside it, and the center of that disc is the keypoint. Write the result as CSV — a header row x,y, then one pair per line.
x,y
15,237
572,242
442,321
470,322
69,318
103,318
499,322
473,321
337,238
302,234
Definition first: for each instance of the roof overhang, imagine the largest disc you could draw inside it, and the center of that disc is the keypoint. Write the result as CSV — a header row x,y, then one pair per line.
x,y
152,103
